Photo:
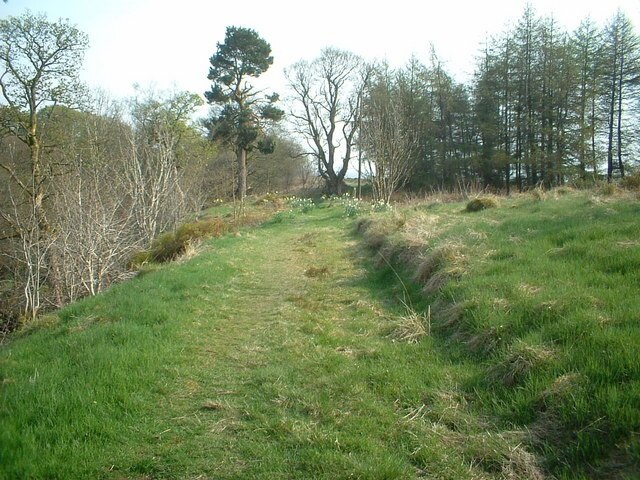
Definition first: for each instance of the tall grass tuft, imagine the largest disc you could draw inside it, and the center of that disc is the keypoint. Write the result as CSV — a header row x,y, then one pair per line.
x,y
481,203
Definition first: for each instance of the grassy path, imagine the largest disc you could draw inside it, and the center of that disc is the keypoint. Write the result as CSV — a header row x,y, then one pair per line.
x,y
273,354
295,376
276,354
267,356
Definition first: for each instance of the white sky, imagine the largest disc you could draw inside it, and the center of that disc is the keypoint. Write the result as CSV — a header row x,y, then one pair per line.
x,y
167,44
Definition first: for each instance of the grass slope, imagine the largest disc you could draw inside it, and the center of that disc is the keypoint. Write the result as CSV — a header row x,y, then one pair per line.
x,y
544,294
285,352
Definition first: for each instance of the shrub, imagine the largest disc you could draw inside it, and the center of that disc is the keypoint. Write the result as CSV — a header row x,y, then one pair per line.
x,y
169,245
631,182
608,189
202,229
165,247
481,203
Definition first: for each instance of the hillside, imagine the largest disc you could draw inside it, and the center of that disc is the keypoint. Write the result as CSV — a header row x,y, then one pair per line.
x,y
434,343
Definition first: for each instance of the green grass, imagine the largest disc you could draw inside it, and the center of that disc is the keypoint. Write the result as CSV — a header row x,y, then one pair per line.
x,y
236,364
286,351
549,304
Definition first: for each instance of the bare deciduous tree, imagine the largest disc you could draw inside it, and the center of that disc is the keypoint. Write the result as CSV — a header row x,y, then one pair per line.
x,y
327,106
386,138
153,172
40,61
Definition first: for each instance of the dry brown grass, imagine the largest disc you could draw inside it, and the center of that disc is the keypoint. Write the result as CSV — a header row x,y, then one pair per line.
x,y
422,227
436,282
498,455
376,231
316,272
212,405
436,260
441,265
449,314
412,326
529,290
560,387
538,194
445,414
482,203
192,249
521,360
631,182
485,341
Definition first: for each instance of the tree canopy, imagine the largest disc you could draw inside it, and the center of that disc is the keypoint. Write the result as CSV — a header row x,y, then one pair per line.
x,y
241,113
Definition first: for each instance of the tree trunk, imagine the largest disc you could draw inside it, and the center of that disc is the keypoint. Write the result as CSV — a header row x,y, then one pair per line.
x,y
612,107
610,139
619,132
44,227
241,156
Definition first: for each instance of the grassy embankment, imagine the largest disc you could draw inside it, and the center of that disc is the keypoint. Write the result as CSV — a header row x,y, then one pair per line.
x,y
285,351
544,293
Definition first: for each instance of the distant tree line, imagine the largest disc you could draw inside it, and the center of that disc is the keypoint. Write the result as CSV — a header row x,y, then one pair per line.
x,y
545,107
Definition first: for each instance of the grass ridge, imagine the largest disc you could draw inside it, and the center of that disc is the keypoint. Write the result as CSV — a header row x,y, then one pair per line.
x,y
544,298
286,350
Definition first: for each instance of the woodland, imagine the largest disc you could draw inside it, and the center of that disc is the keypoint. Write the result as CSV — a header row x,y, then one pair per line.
x,y
88,182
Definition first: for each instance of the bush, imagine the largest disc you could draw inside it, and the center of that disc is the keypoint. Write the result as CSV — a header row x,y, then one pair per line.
x,y
170,245
608,189
631,182
481,203
202,229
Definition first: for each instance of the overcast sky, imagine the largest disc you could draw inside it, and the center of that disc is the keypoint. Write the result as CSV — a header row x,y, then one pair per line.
x,y
167,44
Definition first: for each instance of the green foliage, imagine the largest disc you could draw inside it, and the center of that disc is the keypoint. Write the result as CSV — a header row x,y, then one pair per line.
x,y
239,115
243,52
45,69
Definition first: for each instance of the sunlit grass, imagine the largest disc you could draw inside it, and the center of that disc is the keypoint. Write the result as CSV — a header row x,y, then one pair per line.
x,y
550,291
288,350
235,364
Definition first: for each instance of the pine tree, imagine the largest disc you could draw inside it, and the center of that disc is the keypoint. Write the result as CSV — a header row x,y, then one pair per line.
x,y
240,114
